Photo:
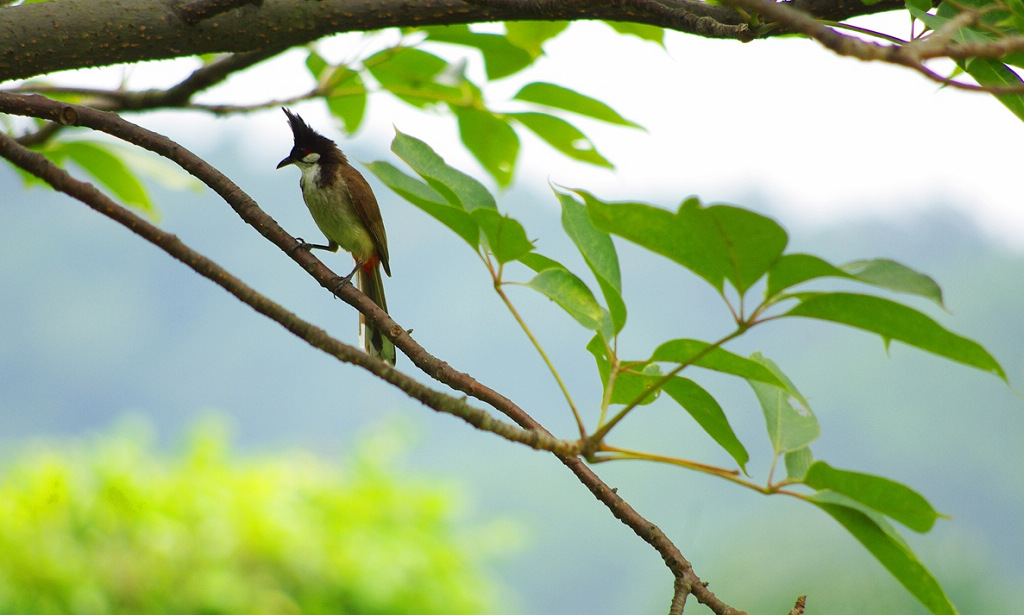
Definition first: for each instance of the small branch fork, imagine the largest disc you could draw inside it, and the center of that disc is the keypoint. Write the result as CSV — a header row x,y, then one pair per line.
x,y
525,431
940,44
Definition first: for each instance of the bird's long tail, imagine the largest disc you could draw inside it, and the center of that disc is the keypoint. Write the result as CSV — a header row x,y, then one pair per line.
x,y
373,340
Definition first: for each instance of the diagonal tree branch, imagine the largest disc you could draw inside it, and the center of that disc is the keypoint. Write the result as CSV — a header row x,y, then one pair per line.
x,y
60,180
531,433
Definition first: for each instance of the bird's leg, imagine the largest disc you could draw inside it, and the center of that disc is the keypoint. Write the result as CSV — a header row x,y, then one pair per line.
x,y
345,280
305,245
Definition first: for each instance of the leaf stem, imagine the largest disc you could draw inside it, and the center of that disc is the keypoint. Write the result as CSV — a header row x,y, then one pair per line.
x,y
603,430
496,276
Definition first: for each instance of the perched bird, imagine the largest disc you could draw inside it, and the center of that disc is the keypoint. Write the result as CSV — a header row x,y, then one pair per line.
x,y
345,210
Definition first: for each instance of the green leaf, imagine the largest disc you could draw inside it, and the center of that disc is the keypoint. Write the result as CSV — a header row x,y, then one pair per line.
x,y
413,76
797,463
562,136
703,354
347,98
889,274
886,496
920,5
107,169
502,57
888,547
573,296
632,381
639,30
717,243
506,237
793,269
456,187
426,198
791,424
316,64
894,321
599,253
558,97
491,141
989,72
531,35
539,262
708,414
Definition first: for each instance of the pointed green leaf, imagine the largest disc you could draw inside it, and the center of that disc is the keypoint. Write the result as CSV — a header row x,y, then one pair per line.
x,y
506,237
797,463
491,141
539,262
718,243
889,274
703,354
894,321
501,56
599,253
793,269
99,162
631,380
598,347
708,414
635,380
920,5
562,136
456,187
413,75
558,97
888,547
791,424
426,198
639,30
573,296
531,35
316,64
886,496
347,97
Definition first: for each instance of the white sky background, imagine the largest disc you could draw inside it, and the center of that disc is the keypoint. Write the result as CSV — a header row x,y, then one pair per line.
x,y
824,139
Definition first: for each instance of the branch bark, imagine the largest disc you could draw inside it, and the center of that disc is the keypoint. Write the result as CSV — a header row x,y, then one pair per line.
x,y
46,37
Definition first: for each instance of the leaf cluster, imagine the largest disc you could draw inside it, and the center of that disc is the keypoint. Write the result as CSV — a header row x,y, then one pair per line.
x,y
413,73
742,256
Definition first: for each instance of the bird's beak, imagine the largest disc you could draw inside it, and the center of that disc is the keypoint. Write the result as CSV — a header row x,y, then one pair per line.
x,y
287,161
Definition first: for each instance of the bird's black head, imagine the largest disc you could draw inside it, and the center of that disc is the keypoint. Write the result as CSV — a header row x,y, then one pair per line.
x,y
309,146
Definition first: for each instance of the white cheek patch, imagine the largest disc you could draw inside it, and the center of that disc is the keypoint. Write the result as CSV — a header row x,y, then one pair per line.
x,y
311,157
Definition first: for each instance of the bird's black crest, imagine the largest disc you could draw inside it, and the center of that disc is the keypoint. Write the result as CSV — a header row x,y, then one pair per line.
x,y
305,137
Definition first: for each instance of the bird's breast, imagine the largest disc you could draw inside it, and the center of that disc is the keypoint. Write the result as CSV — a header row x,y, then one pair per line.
x,y
330,204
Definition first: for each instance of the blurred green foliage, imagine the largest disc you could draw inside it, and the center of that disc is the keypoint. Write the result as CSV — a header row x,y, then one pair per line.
x,y
107,526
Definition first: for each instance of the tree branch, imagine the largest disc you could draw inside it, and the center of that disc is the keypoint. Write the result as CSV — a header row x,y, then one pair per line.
x,y
199,10
529,432
46,37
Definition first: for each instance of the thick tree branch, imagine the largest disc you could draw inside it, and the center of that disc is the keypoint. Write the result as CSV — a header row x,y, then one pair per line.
x,y
529,432
51,36
198,10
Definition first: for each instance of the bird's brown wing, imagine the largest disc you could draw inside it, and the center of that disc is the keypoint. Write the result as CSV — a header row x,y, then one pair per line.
x,y
369,212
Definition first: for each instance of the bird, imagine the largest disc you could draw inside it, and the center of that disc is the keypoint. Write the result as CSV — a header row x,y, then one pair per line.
x,y
346,212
